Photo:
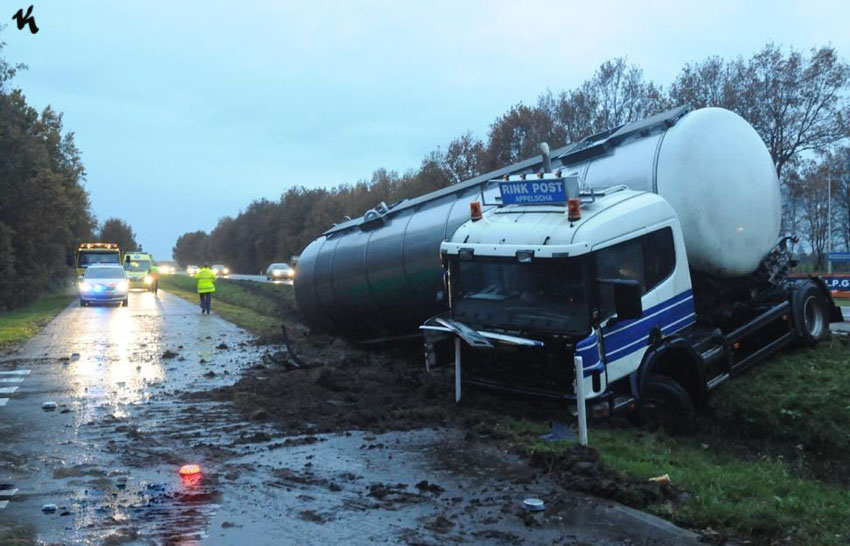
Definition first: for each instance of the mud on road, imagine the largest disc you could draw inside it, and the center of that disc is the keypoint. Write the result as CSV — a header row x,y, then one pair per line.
x,y
358,448
341,388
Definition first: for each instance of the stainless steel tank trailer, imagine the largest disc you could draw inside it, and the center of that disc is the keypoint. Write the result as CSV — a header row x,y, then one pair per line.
x,y
651,251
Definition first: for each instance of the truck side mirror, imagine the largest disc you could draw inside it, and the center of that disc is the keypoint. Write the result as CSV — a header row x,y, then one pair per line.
x,y
627,298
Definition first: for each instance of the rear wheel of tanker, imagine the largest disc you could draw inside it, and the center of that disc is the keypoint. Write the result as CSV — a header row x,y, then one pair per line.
x,y
810,314
665,404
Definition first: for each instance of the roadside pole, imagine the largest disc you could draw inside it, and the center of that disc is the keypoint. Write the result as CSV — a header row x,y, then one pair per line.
x,y
580,403
829,224
457,369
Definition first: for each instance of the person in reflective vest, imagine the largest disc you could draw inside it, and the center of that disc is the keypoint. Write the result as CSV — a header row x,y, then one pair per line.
x,y
154,273
206,287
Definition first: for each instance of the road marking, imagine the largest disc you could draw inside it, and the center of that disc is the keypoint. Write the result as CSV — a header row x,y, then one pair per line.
x,y
8,390
3,504
3,401
16,372
11,379
8,492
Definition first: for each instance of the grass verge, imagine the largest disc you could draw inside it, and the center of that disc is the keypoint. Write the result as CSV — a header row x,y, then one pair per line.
x,y
257,307
21,324
770,464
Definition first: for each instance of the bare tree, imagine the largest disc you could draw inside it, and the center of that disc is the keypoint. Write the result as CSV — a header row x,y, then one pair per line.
x,y
797,104
517,134
617,93
464,157
809,187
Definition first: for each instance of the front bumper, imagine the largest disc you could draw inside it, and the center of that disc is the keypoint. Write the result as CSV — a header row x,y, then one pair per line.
x,y
138,282
103,296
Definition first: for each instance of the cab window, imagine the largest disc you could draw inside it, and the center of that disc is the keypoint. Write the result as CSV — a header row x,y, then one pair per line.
x,y
659,256
648,259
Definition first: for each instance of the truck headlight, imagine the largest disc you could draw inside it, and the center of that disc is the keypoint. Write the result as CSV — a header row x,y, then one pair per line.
x,y
148,279
226,271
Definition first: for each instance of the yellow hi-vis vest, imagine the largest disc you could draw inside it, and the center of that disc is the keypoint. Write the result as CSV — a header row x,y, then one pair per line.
x,y
206,280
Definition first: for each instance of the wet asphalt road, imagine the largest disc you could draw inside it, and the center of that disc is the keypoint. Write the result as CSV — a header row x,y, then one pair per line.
x,y
107,456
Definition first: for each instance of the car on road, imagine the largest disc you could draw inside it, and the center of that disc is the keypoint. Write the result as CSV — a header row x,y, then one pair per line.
x,y
166,269
192,269
138,266
280,271
220,270
104,283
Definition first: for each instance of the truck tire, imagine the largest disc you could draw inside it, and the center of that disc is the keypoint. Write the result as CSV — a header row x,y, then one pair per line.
x,y
666,404
83,303
810,314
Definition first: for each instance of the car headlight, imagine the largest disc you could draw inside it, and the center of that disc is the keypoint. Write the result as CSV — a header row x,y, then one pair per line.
x,y
85,287
148,279
226,271
291,273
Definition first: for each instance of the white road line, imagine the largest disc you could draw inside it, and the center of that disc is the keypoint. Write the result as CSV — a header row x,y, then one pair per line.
x,y
3,401
8,492
16,372
8,390
3,504
11,379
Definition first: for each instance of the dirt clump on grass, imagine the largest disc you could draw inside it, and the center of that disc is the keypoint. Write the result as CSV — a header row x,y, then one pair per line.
x,y
580,468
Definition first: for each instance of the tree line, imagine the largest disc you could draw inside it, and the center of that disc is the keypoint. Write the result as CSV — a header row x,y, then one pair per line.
x,y
44,208
797,101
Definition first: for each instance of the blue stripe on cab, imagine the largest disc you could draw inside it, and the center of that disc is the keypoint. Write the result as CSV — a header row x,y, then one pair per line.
x,y
629,336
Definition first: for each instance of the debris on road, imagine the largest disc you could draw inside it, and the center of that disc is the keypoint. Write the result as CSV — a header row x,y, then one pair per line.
x,y
168,354
533,505
223,346
49,508
662,480
49,406
424,486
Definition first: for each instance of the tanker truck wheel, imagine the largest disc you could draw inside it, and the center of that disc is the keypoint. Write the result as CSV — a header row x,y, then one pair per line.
x,y
810,314
665,404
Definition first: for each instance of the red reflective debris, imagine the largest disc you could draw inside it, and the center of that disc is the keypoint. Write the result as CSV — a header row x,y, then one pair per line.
x,y
190,469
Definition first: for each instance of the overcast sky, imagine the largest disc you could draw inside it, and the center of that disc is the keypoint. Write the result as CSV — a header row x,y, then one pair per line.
x,y
186,111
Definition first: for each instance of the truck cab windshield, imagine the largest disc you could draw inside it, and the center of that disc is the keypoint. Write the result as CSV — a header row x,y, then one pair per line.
x,y
137,265
88,258
546,295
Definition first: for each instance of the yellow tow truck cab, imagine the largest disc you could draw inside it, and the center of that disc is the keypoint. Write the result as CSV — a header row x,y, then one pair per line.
x,y
141,271
95,253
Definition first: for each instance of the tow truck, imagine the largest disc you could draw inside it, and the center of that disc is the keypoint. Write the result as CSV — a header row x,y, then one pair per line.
x,y
94,253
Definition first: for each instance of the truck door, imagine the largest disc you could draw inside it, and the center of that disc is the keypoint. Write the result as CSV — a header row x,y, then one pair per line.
x,y
649,258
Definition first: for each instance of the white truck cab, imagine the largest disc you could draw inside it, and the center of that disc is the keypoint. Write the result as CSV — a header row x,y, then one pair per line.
x,y
604,277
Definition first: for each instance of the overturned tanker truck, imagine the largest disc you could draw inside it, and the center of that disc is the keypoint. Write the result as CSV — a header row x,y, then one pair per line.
x,y
651,250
